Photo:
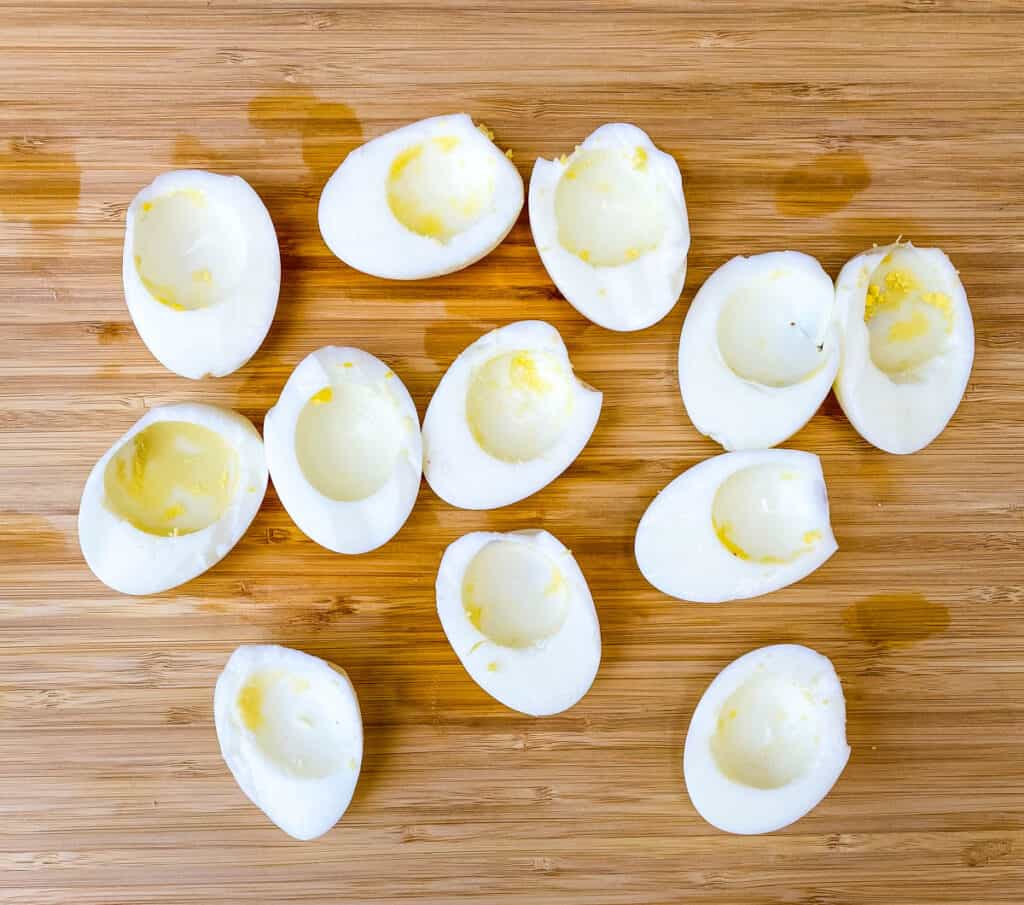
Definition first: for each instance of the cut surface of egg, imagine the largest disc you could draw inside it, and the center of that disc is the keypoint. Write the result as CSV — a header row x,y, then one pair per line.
x,y
507,418
737,525
609,222
518,613
767,741
171,497
291,734
424,200
759,349
201,271
344,449
908,345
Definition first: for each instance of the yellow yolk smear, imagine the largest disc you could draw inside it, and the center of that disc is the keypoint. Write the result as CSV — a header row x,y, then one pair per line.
x,y
172,478
518,404
908,321
440,187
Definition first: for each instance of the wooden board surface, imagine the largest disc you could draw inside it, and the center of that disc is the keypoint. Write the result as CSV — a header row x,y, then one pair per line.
x,y
796,126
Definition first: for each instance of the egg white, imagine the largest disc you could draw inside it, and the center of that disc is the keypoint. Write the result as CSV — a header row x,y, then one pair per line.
x,y
458,193
767,741
347,525
134,561
291,734
759,349
684,550
616,187
201,271
458,468
552,673
902,410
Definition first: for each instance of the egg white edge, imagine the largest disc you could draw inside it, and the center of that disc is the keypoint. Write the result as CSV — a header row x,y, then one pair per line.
x,y
356,526
657,539
532,680
619,309
134,562
857,367
377,243
219,339
449,444
736,808
261,780
704,376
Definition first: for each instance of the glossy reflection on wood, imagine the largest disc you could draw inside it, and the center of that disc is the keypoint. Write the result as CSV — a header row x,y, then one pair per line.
x,y
817,129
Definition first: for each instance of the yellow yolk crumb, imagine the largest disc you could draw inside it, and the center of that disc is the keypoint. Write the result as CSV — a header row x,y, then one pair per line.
x,y
524,374
324,395
640,159
811,536
347,364
446,142
487,133
492,666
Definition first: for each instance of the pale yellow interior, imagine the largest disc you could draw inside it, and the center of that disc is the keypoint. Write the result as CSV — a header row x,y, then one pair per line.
x,y
189,251
514,594
518,404
172,478
440,187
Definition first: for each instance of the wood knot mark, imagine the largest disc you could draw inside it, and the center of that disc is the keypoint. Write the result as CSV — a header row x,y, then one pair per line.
x,y
978,854
277,535
544,865
108,332
183,716
414,834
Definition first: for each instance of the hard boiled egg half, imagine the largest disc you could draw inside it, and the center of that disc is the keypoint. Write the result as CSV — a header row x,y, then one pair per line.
x,y
737,525
291,734
759,349
344,449
767,741
609,222
201,271
908,345
518,613
507,418
424,200
171,497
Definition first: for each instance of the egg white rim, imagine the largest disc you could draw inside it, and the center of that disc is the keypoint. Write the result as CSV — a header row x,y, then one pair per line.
x,y
535,669
356,526
699,484
135,562
737,808
386,248
618,308
256,773
704,375
857,366
448,441
209,350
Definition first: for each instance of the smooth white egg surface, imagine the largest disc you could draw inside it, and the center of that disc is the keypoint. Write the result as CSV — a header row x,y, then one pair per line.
x,y
759,349
507,418
610,224
518,613
908,345
201,271
344,449
424,200
737,525
291,734
767,741
171,497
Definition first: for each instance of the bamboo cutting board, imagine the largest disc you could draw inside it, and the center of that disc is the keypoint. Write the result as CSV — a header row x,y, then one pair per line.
x,y
796,126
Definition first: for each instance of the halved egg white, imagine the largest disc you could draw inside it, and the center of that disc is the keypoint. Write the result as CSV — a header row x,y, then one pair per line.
x,y
908,345
518,613
201,271
344,449
767,741
507,418
610,224
291,734
737,525
759,349
171,497
424,200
